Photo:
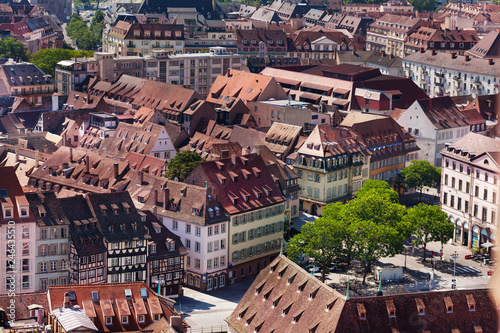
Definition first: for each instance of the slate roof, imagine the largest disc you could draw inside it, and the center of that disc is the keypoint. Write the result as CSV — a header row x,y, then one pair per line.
x,y
47,209
24,74
285,298
242,183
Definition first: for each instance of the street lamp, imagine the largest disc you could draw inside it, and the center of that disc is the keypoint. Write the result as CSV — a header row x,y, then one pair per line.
x,y
454,280
160,283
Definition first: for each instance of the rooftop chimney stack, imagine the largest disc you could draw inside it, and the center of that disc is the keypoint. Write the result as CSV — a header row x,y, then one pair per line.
x,y
141,178
115,170
17,154
166,196
67,303
70,154
87,163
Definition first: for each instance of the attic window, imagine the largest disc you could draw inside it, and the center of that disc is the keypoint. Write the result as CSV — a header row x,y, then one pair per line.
x,y
361,311
256,172
273,268
266,295
301,287
297,318
449,304
95,296
282,272
104,209
290,279
259,289
196,211
242,313
122,227
286,310
313,294
471,302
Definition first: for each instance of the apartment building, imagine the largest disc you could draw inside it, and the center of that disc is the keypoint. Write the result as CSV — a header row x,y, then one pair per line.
x,y
25,80
389,33
332,165
197,71
436,121
132,39
469,183
255,206
442,74
323,44
260,42
52,238
390,145
446,40
18,236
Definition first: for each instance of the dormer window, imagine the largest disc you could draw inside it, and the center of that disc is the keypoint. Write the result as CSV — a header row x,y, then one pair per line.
x,y
217,211
196,211
122,227
24,212
449,304
210,212
111,228
124,320
8,212
104,209
109,321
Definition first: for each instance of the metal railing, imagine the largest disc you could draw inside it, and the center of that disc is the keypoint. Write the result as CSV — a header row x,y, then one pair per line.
x,y
208,329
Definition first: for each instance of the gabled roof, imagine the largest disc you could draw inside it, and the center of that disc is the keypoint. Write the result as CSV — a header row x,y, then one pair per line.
x,y
246,86
284,298
280,137
487,47
137,138
47,209
230,177
442,112
110,297
150,164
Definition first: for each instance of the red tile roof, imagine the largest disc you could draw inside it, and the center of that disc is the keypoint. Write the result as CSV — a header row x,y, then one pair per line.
x,y
231,190
112,302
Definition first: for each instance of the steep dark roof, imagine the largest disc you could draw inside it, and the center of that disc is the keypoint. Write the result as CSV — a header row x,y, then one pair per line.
x,y
47,209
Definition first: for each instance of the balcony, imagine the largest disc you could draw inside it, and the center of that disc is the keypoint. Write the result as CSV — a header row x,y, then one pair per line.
x,y
440,75
439,84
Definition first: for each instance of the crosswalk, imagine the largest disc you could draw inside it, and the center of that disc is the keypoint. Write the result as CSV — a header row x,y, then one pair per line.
x,y
466,270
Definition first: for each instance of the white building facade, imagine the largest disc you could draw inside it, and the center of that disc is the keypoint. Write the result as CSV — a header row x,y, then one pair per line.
x,y
470,189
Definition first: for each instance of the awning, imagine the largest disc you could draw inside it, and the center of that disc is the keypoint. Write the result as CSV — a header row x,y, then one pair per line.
x,y
487,245
316,86
34,306
66,63
340,90
287,81
310,96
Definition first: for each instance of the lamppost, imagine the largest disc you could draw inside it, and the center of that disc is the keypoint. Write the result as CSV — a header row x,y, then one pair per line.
x,y
160,283
454,280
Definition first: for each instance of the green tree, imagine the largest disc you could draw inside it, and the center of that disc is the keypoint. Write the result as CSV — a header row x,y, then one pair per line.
x,y
423,5
47,59
429,224
182,164
419,174
377,228
379,186
321,240
98,18
12,48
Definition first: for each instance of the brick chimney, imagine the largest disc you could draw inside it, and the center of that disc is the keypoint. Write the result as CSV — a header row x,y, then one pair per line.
x,y
155,197
490,62
453,55
70,154
115,170
166,196
67,303
467,58
141,178
87,163
434,52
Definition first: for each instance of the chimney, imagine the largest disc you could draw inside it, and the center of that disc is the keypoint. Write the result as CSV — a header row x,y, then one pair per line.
x,y
233,159
141,178
453,55
176,323
155,197
46,149
490,62
87,163
467,58
70,155
422,50
115,170
17,154
37,157
434,52
67,303
166,195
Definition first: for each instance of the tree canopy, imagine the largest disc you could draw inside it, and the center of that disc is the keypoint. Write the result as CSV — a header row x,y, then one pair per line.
x,y
182,164
429,224
419,174
47,59
86,38
12,48
368,227
423,5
